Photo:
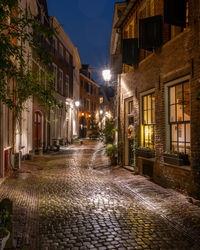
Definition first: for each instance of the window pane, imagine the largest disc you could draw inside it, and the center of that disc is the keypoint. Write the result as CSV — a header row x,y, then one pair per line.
x,y
172,113
172,95
179,112
174,147
149,101
186,111
181,137
179,94
146,136
174,132
145,117
149,116
187,148
145,103
187,132
153,102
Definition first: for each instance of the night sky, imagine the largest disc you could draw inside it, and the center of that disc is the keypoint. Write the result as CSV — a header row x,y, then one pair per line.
x,y
88,23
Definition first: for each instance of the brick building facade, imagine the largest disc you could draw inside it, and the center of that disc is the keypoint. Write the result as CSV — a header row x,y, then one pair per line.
x,y
156,46
89,99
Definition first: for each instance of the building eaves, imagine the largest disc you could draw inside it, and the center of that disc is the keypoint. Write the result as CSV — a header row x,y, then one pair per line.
x,y
125,13
89,80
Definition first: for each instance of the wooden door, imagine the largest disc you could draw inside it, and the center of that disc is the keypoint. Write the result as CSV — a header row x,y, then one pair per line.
x,y
38,130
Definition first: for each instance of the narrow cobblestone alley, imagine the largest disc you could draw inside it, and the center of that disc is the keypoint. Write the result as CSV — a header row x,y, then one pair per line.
x,y
73,199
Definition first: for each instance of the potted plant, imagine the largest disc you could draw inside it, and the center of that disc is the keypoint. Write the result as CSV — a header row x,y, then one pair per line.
x,y
111,150
176,158
4,233
145,152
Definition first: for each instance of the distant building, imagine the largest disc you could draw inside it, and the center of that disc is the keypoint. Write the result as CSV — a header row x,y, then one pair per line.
x,y
106,104
89,100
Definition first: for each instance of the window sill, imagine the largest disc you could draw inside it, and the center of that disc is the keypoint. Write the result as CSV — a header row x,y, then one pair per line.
x,y
146,158
185,167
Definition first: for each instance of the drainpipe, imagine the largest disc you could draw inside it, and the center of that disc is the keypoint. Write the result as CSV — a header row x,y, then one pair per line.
x,y
119,127
1,141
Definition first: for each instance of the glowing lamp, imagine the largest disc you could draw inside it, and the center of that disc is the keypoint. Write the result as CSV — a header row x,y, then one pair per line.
x,y
77,104
106,74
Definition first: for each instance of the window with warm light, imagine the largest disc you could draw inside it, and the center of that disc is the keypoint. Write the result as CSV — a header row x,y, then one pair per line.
x,y
148,121
101,100
179,117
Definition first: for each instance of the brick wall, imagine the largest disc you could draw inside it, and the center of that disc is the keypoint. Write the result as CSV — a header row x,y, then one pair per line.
x,y
177,58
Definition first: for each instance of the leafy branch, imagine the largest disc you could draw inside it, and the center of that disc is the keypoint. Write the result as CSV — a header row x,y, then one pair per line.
x,y
22,37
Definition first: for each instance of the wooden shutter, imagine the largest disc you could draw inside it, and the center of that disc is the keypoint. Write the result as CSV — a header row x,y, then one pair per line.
x,y
150,32
130,51
175,12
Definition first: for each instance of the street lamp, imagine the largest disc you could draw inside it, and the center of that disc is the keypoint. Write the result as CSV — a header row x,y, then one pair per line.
x,y
106,74
101,112
77,104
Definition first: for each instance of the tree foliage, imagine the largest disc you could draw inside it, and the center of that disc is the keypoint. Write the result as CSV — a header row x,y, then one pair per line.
x,y
94,128
20,38
109,131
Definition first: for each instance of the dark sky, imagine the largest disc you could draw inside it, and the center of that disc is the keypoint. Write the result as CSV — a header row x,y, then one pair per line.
x,y
88,24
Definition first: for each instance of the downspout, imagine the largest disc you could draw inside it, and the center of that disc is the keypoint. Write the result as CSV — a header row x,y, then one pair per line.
x,y
1,142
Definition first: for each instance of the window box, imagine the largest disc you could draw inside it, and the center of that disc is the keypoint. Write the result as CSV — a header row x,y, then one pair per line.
x,y
145,152
179,159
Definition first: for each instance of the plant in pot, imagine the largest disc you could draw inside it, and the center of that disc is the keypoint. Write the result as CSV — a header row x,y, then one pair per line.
x,y
111,150
176,158
4,233
145,152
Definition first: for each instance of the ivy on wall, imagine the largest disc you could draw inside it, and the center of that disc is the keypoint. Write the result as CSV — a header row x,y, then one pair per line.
x,y
20,39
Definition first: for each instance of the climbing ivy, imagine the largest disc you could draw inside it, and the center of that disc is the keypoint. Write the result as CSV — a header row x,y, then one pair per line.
x,y
21,36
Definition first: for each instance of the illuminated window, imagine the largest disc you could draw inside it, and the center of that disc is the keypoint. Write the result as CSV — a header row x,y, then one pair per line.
x,y
101,100
179,117
148,121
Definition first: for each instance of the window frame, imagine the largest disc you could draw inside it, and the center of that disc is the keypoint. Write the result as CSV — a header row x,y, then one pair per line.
x,y
66,85
176,122
142,124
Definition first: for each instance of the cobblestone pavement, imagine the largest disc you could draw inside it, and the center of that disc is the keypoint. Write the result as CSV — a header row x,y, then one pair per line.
x,y
74,200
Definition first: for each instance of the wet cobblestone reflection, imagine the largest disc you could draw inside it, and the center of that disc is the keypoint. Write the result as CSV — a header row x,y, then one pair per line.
x,y
75,200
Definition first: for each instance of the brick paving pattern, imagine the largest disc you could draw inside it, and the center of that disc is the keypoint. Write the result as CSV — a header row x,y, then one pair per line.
x,y
74,200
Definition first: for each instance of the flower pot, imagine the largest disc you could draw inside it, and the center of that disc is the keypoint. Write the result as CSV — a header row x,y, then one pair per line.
x,y
4,236
178,160
113,160
146,153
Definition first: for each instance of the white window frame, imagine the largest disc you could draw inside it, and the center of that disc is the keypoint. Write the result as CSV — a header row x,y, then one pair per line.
x,y
148,92
167,113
